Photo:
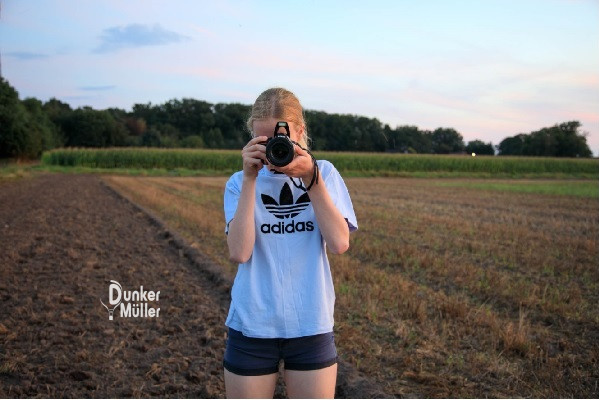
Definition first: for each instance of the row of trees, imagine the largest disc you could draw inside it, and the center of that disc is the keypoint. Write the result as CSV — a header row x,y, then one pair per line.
x,y
25,128
561,140
29,127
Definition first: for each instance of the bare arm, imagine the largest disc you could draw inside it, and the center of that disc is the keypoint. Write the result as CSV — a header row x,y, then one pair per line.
x,y
331,222
242,233
242,230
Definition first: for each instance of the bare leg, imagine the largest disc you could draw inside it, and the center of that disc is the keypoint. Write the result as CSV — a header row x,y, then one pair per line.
x,y
316,384
250,387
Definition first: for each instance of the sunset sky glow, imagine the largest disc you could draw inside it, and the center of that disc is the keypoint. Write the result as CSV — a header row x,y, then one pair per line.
x,y
490,69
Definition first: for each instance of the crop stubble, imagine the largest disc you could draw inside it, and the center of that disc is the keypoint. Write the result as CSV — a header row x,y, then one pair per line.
x,y
446,291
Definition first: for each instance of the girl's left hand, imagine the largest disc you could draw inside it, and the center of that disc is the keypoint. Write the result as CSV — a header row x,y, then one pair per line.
x,y
301,166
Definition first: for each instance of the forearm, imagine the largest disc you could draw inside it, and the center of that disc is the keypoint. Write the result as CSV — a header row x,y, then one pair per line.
x,y
242,231
331,222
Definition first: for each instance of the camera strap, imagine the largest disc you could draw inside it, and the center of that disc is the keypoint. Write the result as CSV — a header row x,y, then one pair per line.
x,y
314,175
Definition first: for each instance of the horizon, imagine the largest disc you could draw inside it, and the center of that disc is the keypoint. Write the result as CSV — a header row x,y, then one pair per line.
x,y
489,70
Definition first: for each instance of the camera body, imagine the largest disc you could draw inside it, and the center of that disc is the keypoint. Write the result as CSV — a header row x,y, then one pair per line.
x,y
280,150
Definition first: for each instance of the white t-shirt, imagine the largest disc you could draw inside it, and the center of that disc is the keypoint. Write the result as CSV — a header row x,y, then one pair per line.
x,y
285,289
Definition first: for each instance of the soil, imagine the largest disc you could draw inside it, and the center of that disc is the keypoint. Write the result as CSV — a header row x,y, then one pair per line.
x,y
62,239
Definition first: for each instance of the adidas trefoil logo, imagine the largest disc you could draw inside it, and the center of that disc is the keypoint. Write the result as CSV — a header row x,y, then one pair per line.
x,y
285,207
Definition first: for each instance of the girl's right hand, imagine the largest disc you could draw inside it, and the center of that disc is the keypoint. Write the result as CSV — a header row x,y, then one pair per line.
x,y
253,155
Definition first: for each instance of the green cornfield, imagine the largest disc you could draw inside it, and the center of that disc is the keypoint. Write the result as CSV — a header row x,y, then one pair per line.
x,y
353,164
145,158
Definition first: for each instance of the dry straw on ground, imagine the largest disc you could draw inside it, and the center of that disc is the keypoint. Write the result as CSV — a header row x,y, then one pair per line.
x,y
446,291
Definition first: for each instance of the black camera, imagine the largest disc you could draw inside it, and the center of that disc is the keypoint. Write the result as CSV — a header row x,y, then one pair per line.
x,y
280,150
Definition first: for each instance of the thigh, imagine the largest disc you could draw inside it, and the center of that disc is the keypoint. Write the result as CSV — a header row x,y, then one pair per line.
x,y
311,366
250,387
319,383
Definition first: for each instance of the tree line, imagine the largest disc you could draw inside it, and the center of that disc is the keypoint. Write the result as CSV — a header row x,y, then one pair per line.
x,y
28,127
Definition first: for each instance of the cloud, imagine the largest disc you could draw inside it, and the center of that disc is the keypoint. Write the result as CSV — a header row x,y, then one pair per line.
x,y
136,35
97,88
25,55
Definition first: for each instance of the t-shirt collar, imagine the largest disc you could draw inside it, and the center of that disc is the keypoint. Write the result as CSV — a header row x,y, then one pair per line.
x,y
266,172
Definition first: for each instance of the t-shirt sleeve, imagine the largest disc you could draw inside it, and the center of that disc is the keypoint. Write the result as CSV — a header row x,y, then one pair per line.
x,y
232,193
339,193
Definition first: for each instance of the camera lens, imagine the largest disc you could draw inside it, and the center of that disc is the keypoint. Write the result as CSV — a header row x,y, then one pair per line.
x,y
280,151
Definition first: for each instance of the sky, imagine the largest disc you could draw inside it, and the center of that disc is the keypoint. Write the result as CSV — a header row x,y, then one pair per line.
x,y
489,69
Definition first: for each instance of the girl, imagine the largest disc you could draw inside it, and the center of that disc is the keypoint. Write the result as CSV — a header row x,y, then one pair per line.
x,y
279,222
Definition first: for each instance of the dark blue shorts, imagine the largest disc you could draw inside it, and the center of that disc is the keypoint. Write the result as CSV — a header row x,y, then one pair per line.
x,y
252,356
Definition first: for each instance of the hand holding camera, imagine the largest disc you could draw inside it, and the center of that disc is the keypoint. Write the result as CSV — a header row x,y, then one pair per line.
x,y
253,157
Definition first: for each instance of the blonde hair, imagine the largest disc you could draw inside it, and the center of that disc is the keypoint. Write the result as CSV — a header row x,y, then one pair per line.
x,y
282,105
